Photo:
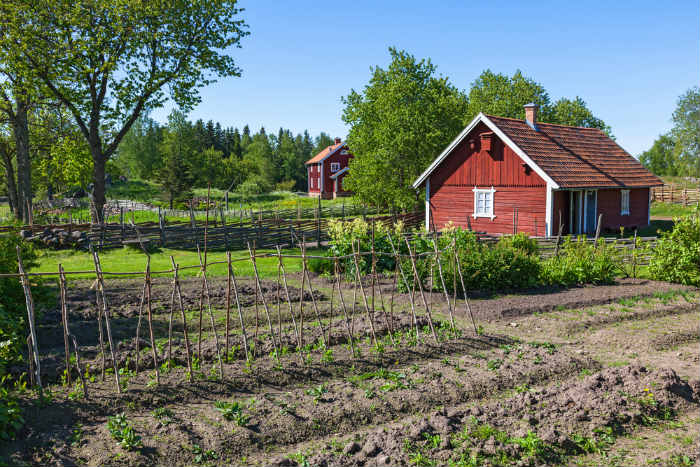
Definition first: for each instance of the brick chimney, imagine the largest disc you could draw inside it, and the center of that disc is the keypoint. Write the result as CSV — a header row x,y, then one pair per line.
x,y
531,115
337,141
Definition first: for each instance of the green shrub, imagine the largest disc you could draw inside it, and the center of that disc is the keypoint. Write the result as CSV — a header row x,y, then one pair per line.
x,y
676,257
11,419
581,262
12,308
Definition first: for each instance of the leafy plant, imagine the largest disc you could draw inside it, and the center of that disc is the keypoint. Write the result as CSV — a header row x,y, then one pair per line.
x,y
123,432
232,411
11,420
317,392
676,256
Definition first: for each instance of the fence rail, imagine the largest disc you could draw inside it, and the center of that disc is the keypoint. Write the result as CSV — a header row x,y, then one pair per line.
x,y
219,233
675,194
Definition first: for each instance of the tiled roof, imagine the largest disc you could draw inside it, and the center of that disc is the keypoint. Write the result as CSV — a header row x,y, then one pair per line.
x,y
576,157
321,155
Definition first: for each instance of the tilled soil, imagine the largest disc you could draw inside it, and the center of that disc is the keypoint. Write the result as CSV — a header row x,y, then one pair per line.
x,y
615,399
124,295
558,377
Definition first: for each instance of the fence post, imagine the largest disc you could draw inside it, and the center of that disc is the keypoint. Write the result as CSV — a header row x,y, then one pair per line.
x,y
634,255
318,225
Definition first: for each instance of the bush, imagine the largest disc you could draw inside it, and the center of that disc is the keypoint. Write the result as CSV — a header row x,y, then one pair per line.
x,y
254,185
12,308
11,419
581,262
676,257
286,185
343,234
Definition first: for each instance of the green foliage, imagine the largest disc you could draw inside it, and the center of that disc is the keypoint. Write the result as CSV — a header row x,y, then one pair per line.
x,y
678,151
581,262
344,234
12,307
498,94
676,256
11,419
403,117
233,411
134,51
120,429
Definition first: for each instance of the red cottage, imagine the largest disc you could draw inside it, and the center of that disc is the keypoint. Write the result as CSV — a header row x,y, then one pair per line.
x,y
501,175
327,169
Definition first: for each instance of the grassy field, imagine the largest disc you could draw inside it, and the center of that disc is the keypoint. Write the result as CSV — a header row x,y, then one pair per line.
x,y
680,181
670,210
132,260
150,192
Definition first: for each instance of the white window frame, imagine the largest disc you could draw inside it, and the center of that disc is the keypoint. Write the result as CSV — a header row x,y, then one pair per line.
x,y
487,212
624,202
335,166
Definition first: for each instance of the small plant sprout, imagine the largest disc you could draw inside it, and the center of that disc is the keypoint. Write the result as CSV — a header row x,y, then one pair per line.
x,y
120,429
232,411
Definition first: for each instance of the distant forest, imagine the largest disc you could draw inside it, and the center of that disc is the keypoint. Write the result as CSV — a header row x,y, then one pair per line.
x,y
183,155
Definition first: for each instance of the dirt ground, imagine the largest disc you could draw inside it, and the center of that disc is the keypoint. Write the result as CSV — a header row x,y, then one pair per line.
x,y
599,375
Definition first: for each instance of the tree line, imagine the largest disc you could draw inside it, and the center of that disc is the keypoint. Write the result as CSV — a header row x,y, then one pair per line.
x,y
182,155
407,114
677,152
104,64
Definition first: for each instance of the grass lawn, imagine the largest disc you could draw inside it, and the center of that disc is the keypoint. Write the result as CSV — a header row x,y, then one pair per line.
x,y
132,260
670,210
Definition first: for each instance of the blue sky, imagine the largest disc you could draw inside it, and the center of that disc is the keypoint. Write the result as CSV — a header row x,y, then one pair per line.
x,y
628,60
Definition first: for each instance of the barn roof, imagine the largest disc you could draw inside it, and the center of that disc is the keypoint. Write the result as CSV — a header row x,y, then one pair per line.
x,y
565,156
325,153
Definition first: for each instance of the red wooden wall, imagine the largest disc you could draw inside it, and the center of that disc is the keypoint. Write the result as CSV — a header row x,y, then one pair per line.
x,y
314,173
343,159
609,206
470,165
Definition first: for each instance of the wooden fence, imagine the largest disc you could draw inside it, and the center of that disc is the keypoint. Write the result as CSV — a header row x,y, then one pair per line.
x,y
676,194
218,234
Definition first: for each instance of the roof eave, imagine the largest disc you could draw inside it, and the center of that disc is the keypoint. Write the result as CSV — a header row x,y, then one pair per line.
x,y
483,118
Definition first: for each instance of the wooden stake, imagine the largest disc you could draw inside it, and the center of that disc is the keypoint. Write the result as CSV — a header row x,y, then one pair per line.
x,y
30,317
64,319
228,297
101,291
77,364
205,282
238,305
286,291
345,312
262,295
313,302
358,278
408,287
464,291
176,280
150,321
420,288
138,324
442,281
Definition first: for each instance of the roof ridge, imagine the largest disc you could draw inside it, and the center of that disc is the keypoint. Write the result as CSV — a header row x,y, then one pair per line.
x,y
547,123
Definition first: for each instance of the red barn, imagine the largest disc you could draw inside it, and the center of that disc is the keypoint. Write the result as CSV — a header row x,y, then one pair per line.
x,y
501,175
327,169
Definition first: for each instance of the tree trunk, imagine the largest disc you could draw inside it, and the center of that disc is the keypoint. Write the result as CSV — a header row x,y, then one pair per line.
x,y
20,128
98,190
10,179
